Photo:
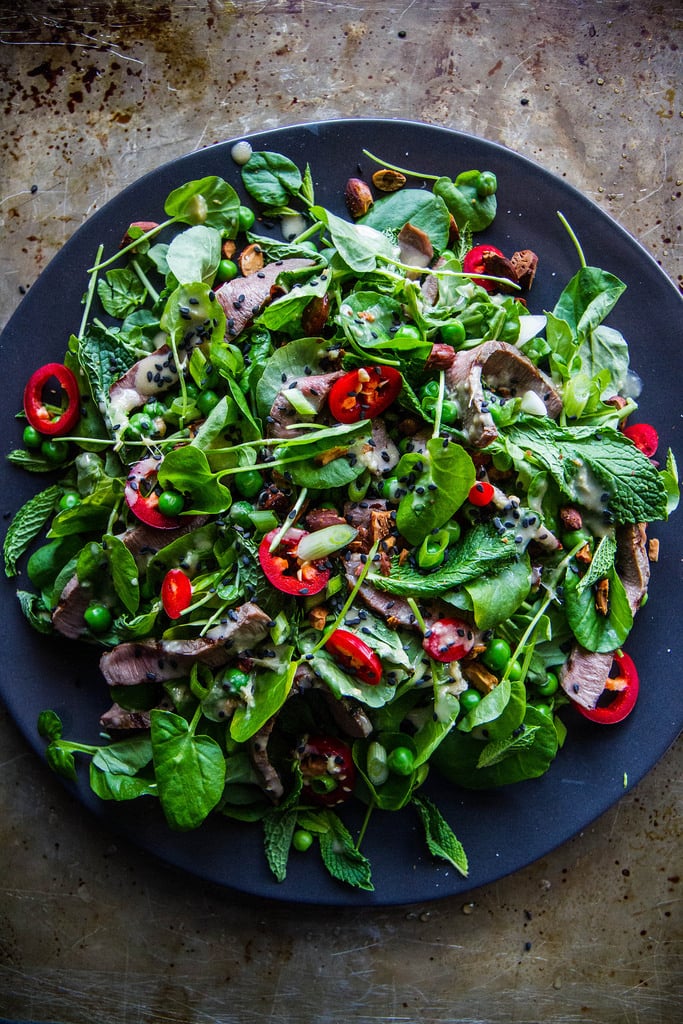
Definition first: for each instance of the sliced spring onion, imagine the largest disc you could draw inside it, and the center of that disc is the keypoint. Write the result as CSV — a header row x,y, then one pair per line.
x,y
299,402
376,764
322,543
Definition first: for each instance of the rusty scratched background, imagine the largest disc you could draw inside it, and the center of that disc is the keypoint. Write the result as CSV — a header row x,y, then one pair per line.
x,y
93,96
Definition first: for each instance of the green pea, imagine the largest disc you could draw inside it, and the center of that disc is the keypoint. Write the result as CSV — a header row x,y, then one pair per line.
x,y
70,499
54,451
449,411
407,332
515,671
207,401
235,679
249,483
227,271
469,699
549,685
497,654
32,437
487,183
245,218
97,618
302,840
171,503
401,761
430,389
454,333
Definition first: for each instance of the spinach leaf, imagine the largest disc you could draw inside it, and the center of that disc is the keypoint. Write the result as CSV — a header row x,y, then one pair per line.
x,y
187,470
293,361
271,689
438,482
284,314
470,207
189,769
593,630
458,756
211,201
497,596
124,572
358,245
588,298
424,210
271,178
194,255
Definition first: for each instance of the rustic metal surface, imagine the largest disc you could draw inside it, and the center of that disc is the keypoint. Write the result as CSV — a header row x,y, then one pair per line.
x,y
93,96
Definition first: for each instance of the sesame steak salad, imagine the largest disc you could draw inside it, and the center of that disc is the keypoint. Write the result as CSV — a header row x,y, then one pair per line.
x,y
336,507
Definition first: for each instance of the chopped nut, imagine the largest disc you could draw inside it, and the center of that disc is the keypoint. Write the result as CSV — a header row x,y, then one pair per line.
x,y
653,549
602,597
584,554
250,260
525,263
453,232
315,315
387,180
317,617
228,248
358,197
570,518
479,677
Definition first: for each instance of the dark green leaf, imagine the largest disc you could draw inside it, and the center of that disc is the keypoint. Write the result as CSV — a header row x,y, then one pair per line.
x,y
278,829
121,292
271,178
190,770
340,856
26,525
441,840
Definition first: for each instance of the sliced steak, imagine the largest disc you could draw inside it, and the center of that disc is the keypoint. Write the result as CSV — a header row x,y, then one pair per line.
x,y
314,388
67,618
632,562
269,777
503,368
243,298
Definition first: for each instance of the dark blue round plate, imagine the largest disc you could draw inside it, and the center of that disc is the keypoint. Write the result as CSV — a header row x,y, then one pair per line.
x,y
503,830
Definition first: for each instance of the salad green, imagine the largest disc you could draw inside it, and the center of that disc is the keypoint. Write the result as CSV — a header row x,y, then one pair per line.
x,y
336,515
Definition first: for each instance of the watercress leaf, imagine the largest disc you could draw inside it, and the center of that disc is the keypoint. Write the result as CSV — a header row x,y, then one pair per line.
x,y
27,523
440,482
344,685
367,319
192,315
358,245
424,210
121,291
669,478
125,757
270,690
124,572
340,856
605,349
187,470
49,725
61,760
194,254
464,202
189,769
209,200
271,178
441,840
285,313
278,829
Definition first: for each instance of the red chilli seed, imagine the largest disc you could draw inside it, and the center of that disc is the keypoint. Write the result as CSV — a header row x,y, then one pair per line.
x,y
644,437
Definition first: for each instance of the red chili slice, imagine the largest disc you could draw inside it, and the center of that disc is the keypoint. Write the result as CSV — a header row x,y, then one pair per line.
x,y
355,657
448,640
142,497
364,393
625,686
37,413
644,437
475,263
176,593
286,571
328,770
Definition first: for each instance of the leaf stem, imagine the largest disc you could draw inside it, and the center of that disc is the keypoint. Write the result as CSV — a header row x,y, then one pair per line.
x,y
89,295
147,284
292,517
366,821
350,599
132,245
577,245
401,170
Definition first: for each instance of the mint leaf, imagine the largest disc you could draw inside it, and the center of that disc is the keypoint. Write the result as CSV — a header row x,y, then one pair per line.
x,y
278,829
497,750
26,525
481,550
35,611
587,464
601,564
340,856
441,840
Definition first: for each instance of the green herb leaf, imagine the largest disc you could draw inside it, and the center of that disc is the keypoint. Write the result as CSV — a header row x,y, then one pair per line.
x,y
340,856
278,829
121,292
271,178
440,481
194,255
190,770
124,572
441,840
26,525
601,564
496,751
